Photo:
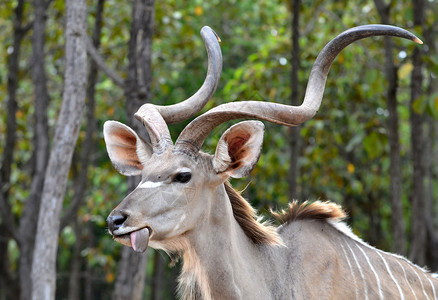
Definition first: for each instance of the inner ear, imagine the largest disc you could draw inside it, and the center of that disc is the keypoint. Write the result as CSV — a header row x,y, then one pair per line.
x,y
239,149
125,148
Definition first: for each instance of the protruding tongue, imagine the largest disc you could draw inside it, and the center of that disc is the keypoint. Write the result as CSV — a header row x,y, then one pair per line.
x,y
140,240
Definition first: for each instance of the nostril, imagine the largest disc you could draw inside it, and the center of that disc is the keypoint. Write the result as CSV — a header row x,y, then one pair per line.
x,y
116,221
119,220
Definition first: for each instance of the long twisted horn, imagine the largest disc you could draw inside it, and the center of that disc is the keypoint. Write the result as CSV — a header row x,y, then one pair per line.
x,y
155,118
193,136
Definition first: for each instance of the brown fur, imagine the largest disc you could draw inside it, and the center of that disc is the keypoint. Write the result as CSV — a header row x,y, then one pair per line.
x,y
264,233
244,213
310,210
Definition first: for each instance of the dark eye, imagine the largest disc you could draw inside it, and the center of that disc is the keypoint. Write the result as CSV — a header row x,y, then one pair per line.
x,y
182,177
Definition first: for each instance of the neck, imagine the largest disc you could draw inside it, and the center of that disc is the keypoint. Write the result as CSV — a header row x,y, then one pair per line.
x,y
219,256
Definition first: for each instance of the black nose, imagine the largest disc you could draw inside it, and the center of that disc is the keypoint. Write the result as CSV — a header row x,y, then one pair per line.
x,y
116,221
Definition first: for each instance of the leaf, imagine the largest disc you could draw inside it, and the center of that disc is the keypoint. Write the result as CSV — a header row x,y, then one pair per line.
x,y
198,10
373,145
405,70
432,106
110,277
420,105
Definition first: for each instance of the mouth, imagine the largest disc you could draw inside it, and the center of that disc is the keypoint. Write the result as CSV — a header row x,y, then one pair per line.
x,y
137,239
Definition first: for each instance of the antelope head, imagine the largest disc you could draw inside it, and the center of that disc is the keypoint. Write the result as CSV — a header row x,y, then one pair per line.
x,y
178,181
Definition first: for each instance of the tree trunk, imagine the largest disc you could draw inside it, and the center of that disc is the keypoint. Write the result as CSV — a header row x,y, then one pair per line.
x,y
432,234
74,290
29,217
139,73
158,280
294,137
418,227
11,124
397,219
89,271
431,142
67,130
9,284
80,184
131,275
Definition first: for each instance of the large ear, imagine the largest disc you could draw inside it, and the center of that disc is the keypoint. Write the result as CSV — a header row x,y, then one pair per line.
x,y
125,149
239,148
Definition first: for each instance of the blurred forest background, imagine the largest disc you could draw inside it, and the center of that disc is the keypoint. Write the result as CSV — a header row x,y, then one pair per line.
x,y
372,147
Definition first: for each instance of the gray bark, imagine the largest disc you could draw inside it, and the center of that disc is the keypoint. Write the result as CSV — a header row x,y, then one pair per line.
x,y
11,124
74,285
8,222
89,271
139,73
397,220
29,217
67,130
131,274
158,279
294,137
80,185
432,234
431,171
418,227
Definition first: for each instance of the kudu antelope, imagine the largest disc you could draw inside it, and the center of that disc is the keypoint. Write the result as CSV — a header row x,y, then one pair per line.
x,y
185,206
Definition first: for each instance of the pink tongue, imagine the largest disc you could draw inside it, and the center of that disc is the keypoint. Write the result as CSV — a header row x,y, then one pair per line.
x,y
140,240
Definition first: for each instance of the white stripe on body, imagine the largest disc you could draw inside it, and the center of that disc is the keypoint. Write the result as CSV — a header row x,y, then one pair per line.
x,y
352,271
361,272
421,282
406,277
402,297
433,288
379,286
346,230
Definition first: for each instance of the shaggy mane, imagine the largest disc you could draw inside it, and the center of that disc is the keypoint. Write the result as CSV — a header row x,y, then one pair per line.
x,y
310,210
245,215
263,232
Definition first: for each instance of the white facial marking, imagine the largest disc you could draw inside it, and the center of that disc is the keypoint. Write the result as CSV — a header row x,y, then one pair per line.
x,y
181,220
379,286
149,185
406,277
402,297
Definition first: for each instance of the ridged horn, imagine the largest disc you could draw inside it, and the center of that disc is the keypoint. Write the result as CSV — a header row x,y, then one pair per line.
x,y
193,136
155,118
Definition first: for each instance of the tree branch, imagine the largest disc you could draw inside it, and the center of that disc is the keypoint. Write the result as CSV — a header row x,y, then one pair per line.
x,y
98,59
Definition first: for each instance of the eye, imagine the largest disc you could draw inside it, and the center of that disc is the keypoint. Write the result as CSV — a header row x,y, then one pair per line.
x,y
182,177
